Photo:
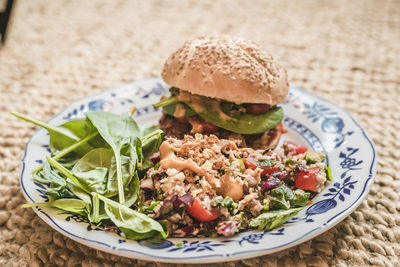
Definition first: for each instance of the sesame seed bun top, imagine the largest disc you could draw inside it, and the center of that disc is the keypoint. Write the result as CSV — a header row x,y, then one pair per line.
x,y
227,68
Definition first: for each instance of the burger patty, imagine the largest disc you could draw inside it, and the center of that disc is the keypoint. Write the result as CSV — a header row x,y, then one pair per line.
x,y
180,127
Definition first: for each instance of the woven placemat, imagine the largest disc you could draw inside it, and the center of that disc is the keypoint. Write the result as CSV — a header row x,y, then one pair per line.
x,y
60,51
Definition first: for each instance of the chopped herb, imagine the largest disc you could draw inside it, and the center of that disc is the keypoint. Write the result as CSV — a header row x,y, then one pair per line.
x,y
227,202
328,173
157,165
266,162
149,208
313,157
310,161
267,204
179,245
174,91
289,162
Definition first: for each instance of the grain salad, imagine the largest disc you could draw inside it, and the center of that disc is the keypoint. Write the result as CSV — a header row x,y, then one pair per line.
x,y
202,185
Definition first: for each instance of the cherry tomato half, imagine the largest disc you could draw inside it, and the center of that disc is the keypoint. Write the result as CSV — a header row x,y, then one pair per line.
x,y
269,170
252,164
307,179
293,148
199,212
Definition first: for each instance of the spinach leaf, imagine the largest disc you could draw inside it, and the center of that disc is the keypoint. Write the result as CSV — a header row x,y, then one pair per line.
x,y
132,191
279,202
67,173
69,149
300,198
64,135
92,169
57,185
68,161
79,193
112,180
170,109
97,172
150,144
281,197
274,218
116,130
133,224
283,189
149,130
72,205
68,204
133,150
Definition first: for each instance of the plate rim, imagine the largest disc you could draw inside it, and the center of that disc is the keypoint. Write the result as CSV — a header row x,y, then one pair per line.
x,y
211,257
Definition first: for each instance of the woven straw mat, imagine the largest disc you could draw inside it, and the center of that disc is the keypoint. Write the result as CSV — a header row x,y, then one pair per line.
x,y
60,51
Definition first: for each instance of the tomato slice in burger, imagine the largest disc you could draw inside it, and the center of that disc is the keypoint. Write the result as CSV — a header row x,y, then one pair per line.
x,y
199,212
307,179
293,148
256,109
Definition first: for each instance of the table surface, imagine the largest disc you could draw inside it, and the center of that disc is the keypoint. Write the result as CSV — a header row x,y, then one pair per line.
x,y
346,51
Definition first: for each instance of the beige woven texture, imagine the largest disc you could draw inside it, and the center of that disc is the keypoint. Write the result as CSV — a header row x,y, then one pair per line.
x,y
345,51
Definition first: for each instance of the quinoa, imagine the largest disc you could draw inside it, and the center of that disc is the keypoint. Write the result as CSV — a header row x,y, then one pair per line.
x,y
225,179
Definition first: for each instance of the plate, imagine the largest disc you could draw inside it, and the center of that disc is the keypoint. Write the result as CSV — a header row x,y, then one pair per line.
x,y
311,121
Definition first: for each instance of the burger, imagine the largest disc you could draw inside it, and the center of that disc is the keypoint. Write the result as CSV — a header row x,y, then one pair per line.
x,y
226,86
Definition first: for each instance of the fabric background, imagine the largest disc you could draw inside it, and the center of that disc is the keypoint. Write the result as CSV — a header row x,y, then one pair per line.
x,y
346,51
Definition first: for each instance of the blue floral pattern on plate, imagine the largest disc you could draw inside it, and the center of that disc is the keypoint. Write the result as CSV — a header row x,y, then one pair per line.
x,y
310,120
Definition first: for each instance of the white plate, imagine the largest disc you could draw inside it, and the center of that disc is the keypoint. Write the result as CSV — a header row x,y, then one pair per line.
x,y
311,121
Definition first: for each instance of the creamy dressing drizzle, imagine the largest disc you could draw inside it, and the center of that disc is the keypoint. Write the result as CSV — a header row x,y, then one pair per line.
x,y
231,187
199,104
170,161
179,111
227,185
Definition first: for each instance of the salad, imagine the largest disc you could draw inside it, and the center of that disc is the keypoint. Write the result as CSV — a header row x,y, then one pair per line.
x,y
202,185
145,185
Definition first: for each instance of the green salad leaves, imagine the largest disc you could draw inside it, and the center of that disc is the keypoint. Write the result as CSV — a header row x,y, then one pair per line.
x,y
94,170
274,218
282,204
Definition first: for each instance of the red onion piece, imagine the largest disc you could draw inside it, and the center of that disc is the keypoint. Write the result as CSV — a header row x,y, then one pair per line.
x,y
188,229
271,183
147,185
156,177
228,228
279,175
155,158
169,198
186,199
